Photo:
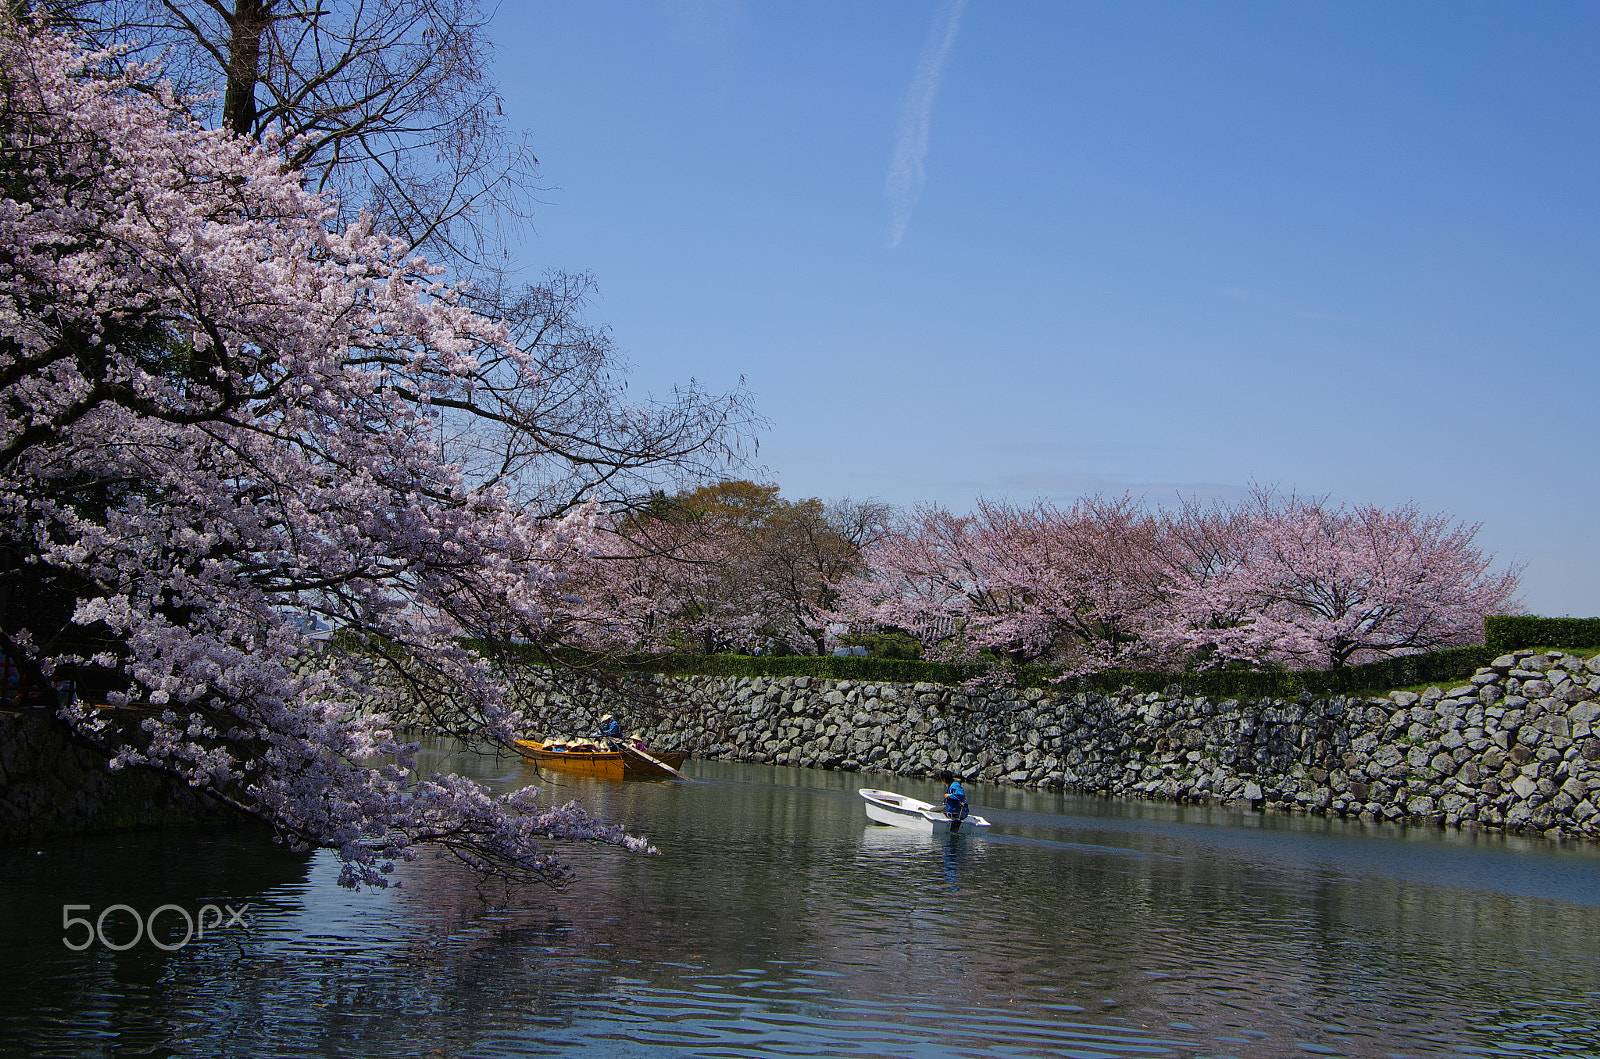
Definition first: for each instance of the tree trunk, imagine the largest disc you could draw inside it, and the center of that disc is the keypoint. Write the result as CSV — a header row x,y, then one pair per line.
x,y
247,27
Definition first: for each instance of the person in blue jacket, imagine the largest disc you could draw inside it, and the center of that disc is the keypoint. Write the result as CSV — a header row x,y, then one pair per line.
x,y
610,727
955,799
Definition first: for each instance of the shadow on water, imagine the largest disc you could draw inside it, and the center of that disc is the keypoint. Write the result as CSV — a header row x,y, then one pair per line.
x,y
51,991
778,921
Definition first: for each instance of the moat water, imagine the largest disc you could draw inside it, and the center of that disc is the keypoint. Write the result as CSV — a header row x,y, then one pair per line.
x,y
778,922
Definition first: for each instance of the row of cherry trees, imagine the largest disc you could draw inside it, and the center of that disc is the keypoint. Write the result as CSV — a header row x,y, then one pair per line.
x,y
1276,581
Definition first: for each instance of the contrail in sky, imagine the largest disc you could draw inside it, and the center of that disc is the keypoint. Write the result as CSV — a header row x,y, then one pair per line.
x,y
903,185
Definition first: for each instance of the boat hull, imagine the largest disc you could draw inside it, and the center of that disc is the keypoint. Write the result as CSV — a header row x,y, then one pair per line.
x,y
896,810
605,764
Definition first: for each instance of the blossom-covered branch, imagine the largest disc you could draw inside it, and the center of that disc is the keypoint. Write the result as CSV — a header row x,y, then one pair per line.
x,y
218,408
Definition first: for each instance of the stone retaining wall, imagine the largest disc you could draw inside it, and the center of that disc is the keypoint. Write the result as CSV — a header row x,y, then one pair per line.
x,y
50,785
1517,746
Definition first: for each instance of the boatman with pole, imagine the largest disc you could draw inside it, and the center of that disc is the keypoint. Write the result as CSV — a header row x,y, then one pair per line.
x,y
955,801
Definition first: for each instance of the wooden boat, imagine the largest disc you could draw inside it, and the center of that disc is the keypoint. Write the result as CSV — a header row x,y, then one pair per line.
x,y
595,759
897,810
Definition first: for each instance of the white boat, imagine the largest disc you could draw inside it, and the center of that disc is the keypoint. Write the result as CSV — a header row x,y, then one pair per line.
x,y
886,807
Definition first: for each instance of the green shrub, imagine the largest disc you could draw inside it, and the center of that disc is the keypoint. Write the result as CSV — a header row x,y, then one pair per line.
x,y
885,645
1453,664
1511,632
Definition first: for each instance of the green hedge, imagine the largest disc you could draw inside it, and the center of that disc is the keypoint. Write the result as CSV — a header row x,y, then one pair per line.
x,y
883,670
1453,665
1504,633
1512,632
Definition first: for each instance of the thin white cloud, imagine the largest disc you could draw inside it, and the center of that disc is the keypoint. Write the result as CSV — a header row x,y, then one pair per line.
x,y
903,186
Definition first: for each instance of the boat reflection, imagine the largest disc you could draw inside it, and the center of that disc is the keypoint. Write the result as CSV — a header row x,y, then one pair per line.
x,y
885,839
916,852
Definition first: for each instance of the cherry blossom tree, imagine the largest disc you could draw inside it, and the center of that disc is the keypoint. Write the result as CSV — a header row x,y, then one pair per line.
x,y
1304,583
219,408
1028,583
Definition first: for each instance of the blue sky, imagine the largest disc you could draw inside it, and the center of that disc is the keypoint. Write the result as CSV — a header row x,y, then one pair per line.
x,y
1044,249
